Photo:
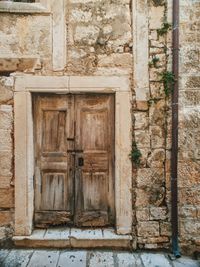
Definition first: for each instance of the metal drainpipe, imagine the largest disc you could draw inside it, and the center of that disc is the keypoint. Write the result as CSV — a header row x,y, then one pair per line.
x,y
174,153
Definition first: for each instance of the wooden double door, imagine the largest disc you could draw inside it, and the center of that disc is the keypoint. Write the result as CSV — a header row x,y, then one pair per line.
x,y
74,160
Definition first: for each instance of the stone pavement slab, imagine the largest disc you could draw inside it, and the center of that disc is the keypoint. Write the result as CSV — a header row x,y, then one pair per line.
x,y
186,262
89,258
154,260
17,258
72,259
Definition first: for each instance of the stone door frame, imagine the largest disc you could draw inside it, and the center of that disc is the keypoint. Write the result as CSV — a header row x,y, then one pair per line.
x,y
25,86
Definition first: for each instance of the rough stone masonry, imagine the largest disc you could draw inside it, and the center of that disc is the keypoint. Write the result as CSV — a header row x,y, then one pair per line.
x,y
100,37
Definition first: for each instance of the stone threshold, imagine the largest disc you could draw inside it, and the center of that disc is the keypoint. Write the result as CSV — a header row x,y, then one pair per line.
x,y
73,238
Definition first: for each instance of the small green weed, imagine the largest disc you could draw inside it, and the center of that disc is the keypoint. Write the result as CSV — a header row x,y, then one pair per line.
x,y
154,62
168,82
165,28
135,154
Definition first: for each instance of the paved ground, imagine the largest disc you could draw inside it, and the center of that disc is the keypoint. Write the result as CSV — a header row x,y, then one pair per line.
x,y
83,258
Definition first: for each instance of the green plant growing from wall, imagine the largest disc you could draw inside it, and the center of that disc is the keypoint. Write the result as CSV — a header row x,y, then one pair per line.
x,y
135,154
154,61
164,29
152,101
168,82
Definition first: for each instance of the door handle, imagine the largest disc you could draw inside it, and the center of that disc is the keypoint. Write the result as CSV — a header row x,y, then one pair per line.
x,y
80,161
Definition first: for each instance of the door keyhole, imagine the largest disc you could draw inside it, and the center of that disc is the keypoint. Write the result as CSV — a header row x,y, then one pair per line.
x,y
80,162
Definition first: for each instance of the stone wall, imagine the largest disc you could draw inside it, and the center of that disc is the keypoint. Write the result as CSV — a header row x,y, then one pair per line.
x,y
151,137
6,158
99,37
189,121
99,41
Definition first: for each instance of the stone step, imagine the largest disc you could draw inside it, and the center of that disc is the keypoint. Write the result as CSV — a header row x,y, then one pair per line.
x,y
73,238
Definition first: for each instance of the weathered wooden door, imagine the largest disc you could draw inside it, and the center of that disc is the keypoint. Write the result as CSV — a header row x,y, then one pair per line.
x,y
74,159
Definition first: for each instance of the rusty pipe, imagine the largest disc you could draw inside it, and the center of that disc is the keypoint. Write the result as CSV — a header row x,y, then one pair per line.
x,y
174,150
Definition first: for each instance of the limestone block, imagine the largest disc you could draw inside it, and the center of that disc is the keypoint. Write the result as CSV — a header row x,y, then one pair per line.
x,y
158,213
165,228
5,181
118,60
188,211
145,154
157,90
189,196
107,29
142,138
142,214
149,228
156,43
141,120
191,81
156,158
6,93
23,64
153,240
189,59
6,117
76,53
150,246
6,218
189,227
156,50
149,177
115,41
189,98
78,15
86,34
6,163
153,35
155,73
157,137
157,113
5,140
188,173
142,198
142,105
156,14
189,143
6,198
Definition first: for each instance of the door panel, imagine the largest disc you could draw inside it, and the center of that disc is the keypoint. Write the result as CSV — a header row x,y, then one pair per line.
x,y
52,191
54,185
94,180
74,160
